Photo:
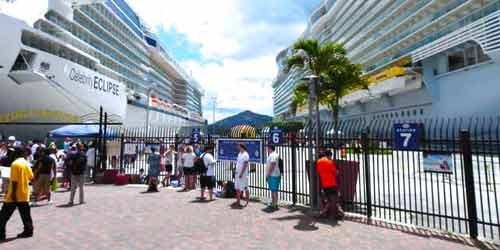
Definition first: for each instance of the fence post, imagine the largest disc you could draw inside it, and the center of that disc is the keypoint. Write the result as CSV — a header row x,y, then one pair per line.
x,y
366,164
122,151
105,142
294,169
466,147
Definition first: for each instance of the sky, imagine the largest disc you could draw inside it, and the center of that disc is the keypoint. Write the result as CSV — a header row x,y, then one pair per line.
x,y
229,46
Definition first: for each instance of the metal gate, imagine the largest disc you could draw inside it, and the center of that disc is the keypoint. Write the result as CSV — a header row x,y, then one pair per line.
x,y
376,179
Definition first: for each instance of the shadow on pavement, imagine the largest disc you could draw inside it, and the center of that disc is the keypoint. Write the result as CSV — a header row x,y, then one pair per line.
x,y
305,223
68,205
149,192
426,233
8,240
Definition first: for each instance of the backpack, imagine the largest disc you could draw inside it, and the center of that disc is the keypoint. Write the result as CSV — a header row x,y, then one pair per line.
x,y
199,165
230,190
79,164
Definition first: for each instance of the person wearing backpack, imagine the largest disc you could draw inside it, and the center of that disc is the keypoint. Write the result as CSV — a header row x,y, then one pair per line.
x,y
207,175
273,176
77,168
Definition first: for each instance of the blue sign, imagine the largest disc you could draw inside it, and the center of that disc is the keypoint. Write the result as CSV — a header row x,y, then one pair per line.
x,y
196,135
275,135
227,149
408,136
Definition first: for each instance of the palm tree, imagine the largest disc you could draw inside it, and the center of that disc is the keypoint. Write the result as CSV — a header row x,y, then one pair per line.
x,y
313,59
337,75
340,80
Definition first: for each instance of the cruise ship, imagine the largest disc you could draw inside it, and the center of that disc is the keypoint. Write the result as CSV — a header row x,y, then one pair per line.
x,y
422,58
61,60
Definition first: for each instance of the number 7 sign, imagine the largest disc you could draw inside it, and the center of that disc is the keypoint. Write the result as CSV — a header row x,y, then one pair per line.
x,y
408,136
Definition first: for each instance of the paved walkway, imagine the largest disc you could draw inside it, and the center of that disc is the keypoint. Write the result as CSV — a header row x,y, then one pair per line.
x,y
123,218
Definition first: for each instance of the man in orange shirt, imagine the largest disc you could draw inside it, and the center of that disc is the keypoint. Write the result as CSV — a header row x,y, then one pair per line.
x,y
327,172
18,195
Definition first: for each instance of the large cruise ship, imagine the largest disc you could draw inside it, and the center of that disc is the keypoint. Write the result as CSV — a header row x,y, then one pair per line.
x,y
422,58
61,60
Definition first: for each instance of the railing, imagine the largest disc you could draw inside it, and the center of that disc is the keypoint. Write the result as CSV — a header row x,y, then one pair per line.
x,y
376,179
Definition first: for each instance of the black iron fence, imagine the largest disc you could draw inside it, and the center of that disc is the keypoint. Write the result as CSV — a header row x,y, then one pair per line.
x,y
375,178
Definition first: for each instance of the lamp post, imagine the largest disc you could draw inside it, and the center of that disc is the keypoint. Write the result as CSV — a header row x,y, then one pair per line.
x,y
313,178
150,92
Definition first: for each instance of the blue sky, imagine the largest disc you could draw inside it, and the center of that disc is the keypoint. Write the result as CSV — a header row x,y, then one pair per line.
x,y
229,45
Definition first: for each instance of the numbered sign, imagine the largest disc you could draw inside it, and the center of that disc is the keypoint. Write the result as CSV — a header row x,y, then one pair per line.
x,y
275,135
408,136
196,135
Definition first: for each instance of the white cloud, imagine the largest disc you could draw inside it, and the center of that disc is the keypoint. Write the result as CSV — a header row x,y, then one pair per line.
x,y
240,47
238,84
209,23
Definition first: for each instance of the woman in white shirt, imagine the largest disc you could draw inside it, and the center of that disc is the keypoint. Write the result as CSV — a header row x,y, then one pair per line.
x,y
188,163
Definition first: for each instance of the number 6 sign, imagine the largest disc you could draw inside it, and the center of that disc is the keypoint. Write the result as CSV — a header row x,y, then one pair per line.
x,y
276,135
407,136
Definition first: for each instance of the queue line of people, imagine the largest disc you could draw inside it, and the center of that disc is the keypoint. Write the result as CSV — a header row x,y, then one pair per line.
x,y
193,163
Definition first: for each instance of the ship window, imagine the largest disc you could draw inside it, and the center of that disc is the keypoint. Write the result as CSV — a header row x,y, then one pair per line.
x,y
465,55
456,60
35,41
23,60
470,55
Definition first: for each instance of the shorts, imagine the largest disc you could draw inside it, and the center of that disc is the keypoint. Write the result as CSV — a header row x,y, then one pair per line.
x,y
274,183
241,184
43,184
330,190
207,182
168,168
188,171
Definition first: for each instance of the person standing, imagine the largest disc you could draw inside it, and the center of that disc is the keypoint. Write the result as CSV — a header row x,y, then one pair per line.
x,y
45,171
273,176
169,161
207,179
241,176
77,167
18,195
154,170
68,162
327,172
188,162
91,154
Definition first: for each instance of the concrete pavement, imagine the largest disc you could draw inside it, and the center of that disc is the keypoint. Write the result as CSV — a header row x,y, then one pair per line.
x,y
124,218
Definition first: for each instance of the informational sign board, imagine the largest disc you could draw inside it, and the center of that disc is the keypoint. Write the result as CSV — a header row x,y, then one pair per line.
x,y
408,136
438,163
227,149
196,135
275,135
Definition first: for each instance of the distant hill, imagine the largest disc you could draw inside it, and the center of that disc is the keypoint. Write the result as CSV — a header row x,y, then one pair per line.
x,y
243,118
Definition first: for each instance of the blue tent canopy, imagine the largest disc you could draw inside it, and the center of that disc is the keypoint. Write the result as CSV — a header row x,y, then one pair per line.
x,y
82,131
